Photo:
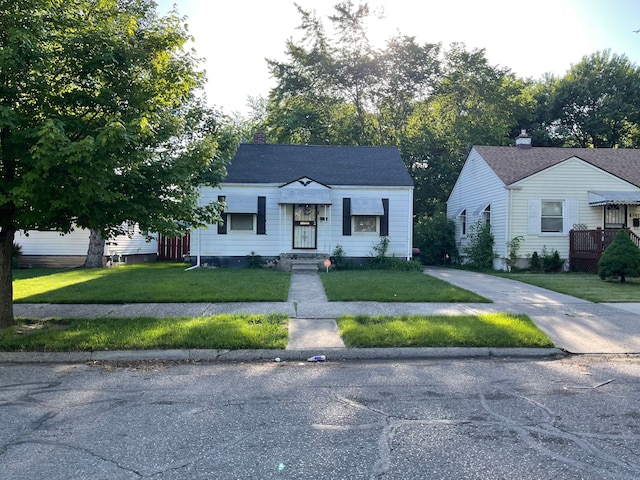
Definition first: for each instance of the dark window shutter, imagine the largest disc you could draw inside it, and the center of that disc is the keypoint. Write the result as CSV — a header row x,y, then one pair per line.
x,y
346,216
222,226
384,219
262,216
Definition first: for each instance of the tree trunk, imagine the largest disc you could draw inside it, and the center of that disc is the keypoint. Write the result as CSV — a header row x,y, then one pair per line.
x,y
96,250
7,234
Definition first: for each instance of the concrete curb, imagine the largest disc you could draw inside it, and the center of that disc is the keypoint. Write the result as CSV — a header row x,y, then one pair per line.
x,y
332,354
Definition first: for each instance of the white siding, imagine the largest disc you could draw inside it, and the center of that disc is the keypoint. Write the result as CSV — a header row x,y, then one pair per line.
x,y
77,242
279,224
476,187
568,182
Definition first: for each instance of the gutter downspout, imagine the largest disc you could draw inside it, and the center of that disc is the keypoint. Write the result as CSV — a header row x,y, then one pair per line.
x,y
197,265
508,226
410,225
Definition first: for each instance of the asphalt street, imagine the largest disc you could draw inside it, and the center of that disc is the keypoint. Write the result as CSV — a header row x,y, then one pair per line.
x,y
492,418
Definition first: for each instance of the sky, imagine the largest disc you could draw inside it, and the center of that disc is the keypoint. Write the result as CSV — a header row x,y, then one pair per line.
x,y
234,37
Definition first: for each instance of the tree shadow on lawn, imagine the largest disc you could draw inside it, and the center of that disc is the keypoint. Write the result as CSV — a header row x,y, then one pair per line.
x,y
156,284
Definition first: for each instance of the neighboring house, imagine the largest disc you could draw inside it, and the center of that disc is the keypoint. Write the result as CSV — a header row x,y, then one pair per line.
x,y
286,202
52,249
541,193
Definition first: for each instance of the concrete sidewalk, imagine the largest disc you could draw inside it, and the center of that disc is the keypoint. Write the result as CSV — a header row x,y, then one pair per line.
x,y
574,325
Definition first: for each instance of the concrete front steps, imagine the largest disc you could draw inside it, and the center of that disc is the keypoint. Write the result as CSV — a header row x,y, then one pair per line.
x,y
305,266
302,263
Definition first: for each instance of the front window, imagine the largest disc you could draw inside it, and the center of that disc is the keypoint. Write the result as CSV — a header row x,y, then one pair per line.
x,y
552,216
365,224
486,215
463,223
241,221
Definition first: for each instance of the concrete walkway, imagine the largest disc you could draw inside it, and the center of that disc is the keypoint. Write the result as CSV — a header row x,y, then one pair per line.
x,y
574,325
305,333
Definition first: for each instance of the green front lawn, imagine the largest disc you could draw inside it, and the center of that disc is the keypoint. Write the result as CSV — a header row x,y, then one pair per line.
x,y
582,285
149,283
392,286
488,330
216,332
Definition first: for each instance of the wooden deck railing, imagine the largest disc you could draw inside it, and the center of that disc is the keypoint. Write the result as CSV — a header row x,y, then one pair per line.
x,y
586,247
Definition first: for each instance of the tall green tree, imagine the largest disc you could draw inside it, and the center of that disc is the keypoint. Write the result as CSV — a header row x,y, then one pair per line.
x,y
597,103
100,124
474,103
338,89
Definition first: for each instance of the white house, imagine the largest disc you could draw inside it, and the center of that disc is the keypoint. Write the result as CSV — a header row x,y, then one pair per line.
x,y
541,193
295,201
52,249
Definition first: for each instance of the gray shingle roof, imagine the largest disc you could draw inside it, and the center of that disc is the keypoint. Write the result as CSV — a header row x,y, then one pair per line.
x,y
330,165
512,164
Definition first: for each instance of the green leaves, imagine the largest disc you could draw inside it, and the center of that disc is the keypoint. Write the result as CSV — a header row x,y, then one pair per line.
x,y
110,123
620,259
596,102
100,119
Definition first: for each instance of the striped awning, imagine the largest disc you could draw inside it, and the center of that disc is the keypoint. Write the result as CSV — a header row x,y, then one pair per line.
x,y
599,198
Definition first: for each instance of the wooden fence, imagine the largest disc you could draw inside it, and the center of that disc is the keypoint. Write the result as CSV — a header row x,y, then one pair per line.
x,y
586,247
173,248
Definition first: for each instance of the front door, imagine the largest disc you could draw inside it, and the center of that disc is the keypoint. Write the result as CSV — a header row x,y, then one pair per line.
x,y
305,223
615,216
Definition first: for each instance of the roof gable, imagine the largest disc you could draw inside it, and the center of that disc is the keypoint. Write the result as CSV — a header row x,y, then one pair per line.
x,y
327,165
512,164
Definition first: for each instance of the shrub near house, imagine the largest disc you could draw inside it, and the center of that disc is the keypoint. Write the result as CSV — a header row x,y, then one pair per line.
x,y
620,259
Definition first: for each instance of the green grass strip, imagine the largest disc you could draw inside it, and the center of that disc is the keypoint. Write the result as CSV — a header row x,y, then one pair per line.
x,y
150,283
486,330
583,285
232,332
392,286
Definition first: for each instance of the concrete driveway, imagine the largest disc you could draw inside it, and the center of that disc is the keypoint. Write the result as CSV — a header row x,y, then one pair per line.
x,y
573,324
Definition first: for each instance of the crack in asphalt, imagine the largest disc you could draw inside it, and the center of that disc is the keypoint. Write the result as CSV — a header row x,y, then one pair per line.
x,y
525,433
51,443
532,435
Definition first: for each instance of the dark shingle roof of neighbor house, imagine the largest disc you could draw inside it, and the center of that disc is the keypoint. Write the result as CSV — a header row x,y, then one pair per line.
x,y
512,163
329,165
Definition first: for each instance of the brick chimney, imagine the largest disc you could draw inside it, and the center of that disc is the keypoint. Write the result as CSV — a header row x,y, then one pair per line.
x,y
260,138
523,140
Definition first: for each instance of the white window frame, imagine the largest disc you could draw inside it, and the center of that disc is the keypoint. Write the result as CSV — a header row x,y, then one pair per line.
x,y
486,215
570,216
562,216
230,218
356,230
462,216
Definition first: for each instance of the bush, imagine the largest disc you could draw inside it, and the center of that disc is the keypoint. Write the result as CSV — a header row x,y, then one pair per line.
x,y
620,259
254,260
546,262
381,262
513,247
436,238
552,263
535,264
337,258
479,252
